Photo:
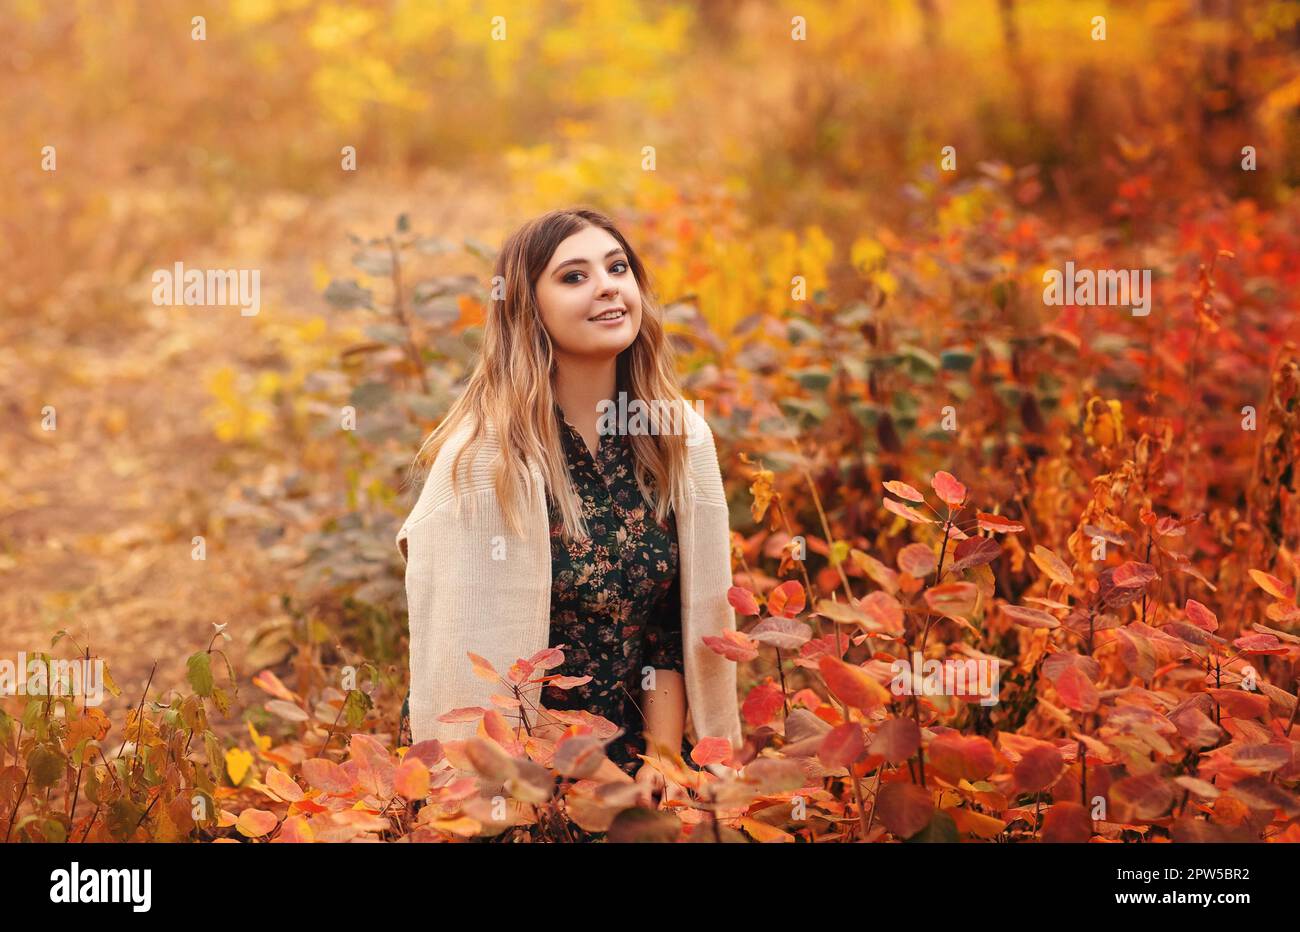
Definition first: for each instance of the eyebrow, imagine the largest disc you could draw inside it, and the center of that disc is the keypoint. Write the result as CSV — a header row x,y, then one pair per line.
x,y
579,261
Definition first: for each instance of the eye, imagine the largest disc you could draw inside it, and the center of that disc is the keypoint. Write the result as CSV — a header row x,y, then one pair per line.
x,y
570,280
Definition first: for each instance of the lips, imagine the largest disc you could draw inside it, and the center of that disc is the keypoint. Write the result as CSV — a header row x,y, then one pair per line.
x,y
614,313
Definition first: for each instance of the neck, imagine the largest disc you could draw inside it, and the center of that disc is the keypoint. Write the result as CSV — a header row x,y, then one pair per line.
x,y
580,385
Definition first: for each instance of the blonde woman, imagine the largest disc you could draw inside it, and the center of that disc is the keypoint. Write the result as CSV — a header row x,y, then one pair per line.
x,y
551,518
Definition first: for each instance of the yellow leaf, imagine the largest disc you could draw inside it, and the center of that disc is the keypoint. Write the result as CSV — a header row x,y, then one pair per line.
x,y
237,763
764,832
976,823
260,741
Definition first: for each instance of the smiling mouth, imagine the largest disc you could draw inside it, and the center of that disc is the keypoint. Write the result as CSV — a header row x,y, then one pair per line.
x,y
617,313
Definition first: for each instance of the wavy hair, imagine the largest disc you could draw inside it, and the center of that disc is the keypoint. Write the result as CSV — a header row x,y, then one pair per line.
x,y
512,385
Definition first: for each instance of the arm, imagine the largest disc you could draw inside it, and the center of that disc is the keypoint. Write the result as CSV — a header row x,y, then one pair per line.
x,y
664,706
665,709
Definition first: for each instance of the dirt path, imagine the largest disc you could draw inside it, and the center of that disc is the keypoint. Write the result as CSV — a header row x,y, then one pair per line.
x,y
97,516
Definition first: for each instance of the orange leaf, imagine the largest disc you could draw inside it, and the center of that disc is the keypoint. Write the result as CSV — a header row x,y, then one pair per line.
x,y
1052,565
842,746
269,682
483,669
1067,822
904,808
904,491
762,704
254,823
1030,617
1272,585
1240,704
896,740
283,785
948,488
956,757
955,598
742,600
916,560
412,779
997,524
904,511
711,751
852,684
1039,767
1201,616
787,599
734,645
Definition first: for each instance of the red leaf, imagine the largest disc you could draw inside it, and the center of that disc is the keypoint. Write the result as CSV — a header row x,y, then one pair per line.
x,y
904,808
842,746
1259,644
1067,822
733,645
956,598
896,740
711,751
956,757
997,524
762,704
1134,575
742,600
1030,617
948,488
1240,704
1077,692
884,610
975,551
1039,767
916,560
787,599
1140,798
1201,616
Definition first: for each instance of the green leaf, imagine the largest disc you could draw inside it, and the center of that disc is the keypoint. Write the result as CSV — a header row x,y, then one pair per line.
x,y
374,261
480,249
46,766
54,831
957,360
941,829
123,816
355,707
199,673
216,759
920,361
348,294
816,380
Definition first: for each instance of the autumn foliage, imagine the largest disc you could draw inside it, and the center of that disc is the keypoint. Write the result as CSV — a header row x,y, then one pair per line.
x,y
928,469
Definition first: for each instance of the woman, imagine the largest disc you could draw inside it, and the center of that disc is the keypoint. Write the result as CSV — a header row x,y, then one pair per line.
x,y
547,520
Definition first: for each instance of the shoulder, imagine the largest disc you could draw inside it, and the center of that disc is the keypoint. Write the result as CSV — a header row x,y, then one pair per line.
x,y
465,464
702,455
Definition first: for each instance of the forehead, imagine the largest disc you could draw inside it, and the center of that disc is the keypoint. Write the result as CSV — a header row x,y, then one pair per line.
x,y
590,243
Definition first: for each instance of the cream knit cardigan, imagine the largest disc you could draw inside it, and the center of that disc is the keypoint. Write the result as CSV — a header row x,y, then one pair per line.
x,y
471,586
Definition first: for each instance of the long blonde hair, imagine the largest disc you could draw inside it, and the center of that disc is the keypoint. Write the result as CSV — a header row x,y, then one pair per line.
x,y
512,386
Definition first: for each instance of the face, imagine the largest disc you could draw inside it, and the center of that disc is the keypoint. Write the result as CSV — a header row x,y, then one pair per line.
x,y
588,275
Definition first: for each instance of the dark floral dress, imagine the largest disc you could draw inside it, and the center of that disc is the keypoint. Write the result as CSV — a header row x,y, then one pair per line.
x,y
615,596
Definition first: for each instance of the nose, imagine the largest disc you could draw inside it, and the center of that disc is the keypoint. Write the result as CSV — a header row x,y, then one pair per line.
x,y
609,286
